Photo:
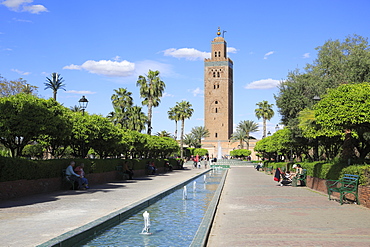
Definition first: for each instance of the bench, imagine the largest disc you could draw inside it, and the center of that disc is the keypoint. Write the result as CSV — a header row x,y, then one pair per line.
x,y
301,177
124,175
268,170
66,179
348,184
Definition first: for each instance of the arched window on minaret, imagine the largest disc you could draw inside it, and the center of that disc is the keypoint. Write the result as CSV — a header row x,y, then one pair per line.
x,y
218,74
216,102
216,135
214,74
219,54
216,110
215,53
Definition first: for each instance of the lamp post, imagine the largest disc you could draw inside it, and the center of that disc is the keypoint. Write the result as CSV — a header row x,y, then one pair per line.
x,y
83,105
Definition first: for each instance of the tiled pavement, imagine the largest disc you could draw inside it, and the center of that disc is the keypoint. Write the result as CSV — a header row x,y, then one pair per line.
x,y
254,211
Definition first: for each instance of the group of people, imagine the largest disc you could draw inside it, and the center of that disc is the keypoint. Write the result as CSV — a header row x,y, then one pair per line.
x,y
77,174
198,161
288,176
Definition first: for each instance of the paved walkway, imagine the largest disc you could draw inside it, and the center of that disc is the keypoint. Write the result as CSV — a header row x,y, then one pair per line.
x,y
33,220
254,211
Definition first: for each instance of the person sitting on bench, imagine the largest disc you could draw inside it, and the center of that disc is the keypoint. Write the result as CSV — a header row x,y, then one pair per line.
x,y
72,176
80,171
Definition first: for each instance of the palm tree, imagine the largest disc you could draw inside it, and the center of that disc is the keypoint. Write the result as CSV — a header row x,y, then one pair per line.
x,y
239,135
199,132
151,90
54,83
75,108
28,89
173,114
163,133
190,140
135,119
248,126
122,99
265,112
185,112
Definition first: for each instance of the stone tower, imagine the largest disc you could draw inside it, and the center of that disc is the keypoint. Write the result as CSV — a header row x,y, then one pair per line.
x,y
218,98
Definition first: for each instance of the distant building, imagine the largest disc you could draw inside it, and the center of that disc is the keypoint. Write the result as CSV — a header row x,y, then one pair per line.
x,y
218,100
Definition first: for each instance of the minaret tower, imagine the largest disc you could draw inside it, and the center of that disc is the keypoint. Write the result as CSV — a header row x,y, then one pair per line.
x,y
218,98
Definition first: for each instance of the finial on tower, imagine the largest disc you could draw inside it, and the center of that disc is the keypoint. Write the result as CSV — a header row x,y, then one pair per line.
x,y
218,31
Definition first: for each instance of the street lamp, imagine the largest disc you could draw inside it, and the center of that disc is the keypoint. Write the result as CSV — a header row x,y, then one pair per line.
x,y
83,104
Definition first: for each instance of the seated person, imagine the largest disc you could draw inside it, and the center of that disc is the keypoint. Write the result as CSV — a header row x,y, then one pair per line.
x,y
128,171
80,171
72,176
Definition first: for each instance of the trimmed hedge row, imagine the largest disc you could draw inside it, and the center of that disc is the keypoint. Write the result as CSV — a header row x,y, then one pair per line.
x,y
16,168
333,170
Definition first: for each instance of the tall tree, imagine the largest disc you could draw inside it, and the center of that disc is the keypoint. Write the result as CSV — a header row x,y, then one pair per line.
x,y
55,83
199,132
248,127
13,87
151,90
173,114
122,101
239,135
265,112
185,112
136,119
163,133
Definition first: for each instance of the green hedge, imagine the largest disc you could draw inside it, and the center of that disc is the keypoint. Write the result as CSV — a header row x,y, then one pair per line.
x,y
328,170
16,168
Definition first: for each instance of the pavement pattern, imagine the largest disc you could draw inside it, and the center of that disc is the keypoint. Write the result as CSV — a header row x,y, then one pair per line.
x,y
255,211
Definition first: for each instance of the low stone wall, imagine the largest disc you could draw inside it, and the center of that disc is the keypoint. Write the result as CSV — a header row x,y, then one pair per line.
x,y
319,184
20,188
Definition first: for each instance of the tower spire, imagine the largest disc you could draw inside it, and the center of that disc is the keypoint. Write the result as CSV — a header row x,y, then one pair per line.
x,y
218,31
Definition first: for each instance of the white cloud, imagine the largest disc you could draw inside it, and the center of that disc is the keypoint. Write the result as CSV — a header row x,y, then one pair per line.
x,y
306,55
24,6
196,91
80,92
268,54
106,67
72,67
187,53
231,50
20,72
167,95
35,9
263,84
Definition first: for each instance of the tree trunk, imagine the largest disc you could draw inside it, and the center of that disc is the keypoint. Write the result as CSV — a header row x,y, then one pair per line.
x,y
149,117
176,130
264,127
182,139
348,151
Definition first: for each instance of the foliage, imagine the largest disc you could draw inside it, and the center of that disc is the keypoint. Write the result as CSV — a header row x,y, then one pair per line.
x,y
34,151
55,83
8,88
265,112
199,132
200,151
184,112
243,131
151,90
24,118
240,153
344,110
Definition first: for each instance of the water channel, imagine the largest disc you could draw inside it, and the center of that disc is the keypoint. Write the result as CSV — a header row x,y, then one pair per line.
x,y
174,219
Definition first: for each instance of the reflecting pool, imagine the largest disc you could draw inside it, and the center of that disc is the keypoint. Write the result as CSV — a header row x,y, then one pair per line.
x,y
174,220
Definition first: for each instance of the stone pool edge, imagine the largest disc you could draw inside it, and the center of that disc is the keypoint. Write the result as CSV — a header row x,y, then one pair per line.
x,y
93,228
202,234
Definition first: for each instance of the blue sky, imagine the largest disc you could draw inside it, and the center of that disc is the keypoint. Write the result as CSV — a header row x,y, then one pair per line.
x,y
99,46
